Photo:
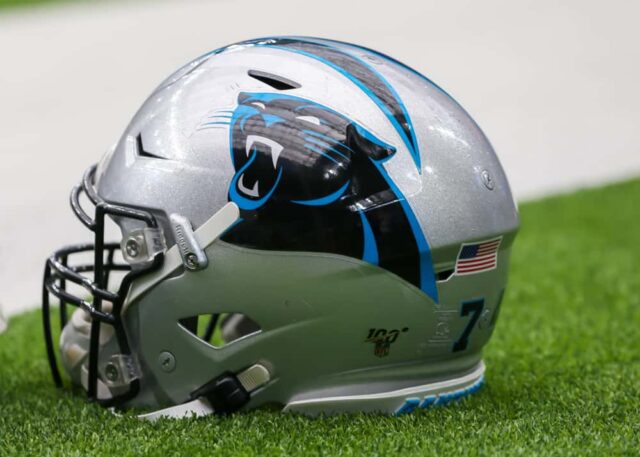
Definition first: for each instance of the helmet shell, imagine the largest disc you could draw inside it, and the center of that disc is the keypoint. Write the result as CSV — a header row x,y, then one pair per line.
x,y
360,183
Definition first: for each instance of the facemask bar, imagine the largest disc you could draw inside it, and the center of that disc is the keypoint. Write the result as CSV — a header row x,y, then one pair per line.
x,y
58,273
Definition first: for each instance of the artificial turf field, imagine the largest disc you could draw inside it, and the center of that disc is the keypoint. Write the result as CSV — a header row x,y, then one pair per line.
x,y
563,367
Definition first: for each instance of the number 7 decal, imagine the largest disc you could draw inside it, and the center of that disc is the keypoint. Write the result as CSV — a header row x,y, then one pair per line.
x,y
475,307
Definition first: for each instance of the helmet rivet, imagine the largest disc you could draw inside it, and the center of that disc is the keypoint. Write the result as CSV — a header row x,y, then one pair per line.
x,y
132,247
167,361
487,180
192,261
111,372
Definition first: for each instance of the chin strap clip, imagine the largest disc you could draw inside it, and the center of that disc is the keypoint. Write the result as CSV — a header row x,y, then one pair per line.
x,y
193,256
225,394
140,246
222,395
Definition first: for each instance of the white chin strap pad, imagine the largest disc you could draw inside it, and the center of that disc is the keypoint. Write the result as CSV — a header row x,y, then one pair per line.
x,y
196,408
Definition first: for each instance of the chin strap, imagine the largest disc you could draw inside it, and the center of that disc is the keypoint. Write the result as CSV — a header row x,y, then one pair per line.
x,y
223,395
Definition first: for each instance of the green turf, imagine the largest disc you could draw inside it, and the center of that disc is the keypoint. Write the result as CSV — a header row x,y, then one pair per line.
x,y
28,3
563,367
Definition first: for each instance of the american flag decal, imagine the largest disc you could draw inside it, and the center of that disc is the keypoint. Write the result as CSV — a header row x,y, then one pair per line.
x,y
478,257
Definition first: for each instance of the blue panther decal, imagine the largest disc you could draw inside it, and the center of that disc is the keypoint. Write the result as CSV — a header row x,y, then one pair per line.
x,y
309,179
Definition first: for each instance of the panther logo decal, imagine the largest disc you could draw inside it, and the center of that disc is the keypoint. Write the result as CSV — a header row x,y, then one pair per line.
x,y
309,179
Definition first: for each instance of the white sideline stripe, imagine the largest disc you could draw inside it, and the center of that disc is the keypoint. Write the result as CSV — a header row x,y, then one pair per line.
x,y
408,391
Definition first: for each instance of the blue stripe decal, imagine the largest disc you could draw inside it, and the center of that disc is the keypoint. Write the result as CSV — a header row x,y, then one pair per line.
x,y
375,53
409,406
243,122
366,134
325,200
428,401
427,275
218,123
270,119
243,112
413,151
413,145
317,141
370,251
396,62
442,399
338,153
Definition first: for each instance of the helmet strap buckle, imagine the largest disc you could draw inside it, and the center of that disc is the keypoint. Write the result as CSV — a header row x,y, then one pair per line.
x,y
120,371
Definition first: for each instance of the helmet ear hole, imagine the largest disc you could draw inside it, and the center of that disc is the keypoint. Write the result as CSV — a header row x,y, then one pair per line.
x,y
219,330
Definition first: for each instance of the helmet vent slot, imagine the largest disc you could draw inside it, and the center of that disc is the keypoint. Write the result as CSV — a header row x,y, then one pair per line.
x,y
142,152
275,81
219,330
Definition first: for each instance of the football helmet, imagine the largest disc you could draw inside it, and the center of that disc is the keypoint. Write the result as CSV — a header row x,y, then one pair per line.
x,y
305,224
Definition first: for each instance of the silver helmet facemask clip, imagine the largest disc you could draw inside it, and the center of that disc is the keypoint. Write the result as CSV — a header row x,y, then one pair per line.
x,y
143,249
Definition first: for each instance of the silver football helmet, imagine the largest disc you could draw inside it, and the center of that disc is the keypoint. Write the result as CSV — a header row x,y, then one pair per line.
x,y
305,223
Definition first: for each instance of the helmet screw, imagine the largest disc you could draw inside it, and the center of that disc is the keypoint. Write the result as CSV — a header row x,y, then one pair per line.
x,y
132,247
487,180
111,372
192,261
167,361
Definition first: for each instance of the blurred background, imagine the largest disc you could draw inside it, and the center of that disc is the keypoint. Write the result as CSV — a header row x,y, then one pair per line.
x,y
554,85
